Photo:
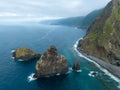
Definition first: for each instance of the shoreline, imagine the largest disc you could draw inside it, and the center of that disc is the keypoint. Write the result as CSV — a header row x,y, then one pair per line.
x,y
111,70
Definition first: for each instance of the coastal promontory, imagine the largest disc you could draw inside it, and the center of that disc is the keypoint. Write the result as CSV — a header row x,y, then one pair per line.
x,y
102,41
103,37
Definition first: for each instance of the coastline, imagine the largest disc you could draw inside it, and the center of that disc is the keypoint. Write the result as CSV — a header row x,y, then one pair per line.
x,y
109,69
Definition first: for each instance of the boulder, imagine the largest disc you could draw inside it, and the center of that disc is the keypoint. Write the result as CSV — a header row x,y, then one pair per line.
x,y
51,64
76,66
25,54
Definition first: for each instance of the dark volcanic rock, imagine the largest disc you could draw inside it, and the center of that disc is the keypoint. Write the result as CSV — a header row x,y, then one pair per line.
x,y
25,54
76,66
51,64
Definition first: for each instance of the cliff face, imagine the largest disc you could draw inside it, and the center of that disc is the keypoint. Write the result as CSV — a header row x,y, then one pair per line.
x,y
51,64
103,37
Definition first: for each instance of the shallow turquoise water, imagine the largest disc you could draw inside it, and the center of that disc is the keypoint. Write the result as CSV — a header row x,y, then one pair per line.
x,y
14,75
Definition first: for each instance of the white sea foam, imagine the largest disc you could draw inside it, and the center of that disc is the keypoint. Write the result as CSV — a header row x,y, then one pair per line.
x,y
69,70
91,73
78,70
58,74
12,51
75,70
30,77
101,68
13,57
20,60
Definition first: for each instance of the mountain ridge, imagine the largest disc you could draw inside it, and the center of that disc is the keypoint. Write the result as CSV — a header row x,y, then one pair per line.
x,y
80,21
102,38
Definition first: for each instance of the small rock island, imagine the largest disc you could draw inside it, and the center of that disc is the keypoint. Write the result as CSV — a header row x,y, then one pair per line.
x,y
25,54
51,64
76,66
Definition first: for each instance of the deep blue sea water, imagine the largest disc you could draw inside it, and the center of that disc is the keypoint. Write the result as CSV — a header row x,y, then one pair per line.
x,y
14,75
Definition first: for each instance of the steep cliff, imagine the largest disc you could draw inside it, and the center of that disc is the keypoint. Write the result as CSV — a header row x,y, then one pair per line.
x,y
103,37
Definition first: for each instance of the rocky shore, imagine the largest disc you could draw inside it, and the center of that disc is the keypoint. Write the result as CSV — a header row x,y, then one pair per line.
x,y
111,68
115,70
102,41
103,36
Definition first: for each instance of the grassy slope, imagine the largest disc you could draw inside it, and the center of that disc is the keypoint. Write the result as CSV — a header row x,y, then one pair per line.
x,y
103,37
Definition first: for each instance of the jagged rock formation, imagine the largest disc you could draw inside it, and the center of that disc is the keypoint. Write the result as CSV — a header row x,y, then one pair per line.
x,y
103,37
51,64
25,54
76,66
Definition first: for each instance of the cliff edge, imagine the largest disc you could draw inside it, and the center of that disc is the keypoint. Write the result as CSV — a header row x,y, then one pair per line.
x,y
103,37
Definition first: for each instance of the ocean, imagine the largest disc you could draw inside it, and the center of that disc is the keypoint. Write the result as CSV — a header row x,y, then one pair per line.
x,y
16,75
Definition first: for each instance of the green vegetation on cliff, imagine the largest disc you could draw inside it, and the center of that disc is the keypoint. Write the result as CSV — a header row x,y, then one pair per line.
x,y
25,54
103,36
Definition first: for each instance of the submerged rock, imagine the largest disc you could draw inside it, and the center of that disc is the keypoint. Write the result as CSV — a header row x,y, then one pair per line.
x,y
76,66
25,54
93,74
50,64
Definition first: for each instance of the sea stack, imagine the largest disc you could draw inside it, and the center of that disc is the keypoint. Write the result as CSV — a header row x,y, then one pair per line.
x,y
51,64
76,66
25,54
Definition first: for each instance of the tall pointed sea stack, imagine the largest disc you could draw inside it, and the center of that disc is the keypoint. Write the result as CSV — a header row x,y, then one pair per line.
x,y
51,64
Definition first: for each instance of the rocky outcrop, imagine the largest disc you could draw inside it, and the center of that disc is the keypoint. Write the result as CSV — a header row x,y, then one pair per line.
x,y
76,66
103,37
25,54
51,64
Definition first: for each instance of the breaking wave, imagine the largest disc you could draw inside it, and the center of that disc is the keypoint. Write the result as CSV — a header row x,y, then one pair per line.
x,y
101,68
12,51
30,77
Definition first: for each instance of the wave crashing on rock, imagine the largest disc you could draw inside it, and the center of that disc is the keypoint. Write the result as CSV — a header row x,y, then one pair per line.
x,y
30,77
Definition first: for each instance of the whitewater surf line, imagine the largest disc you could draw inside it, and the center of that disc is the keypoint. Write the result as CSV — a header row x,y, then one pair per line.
x,y
99,66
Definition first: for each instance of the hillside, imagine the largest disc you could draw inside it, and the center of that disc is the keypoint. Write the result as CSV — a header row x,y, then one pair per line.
x,y
103,37
80,21
72,21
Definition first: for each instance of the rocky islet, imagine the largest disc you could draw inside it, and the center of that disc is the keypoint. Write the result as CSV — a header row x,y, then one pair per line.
x,y
25,54
51,64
